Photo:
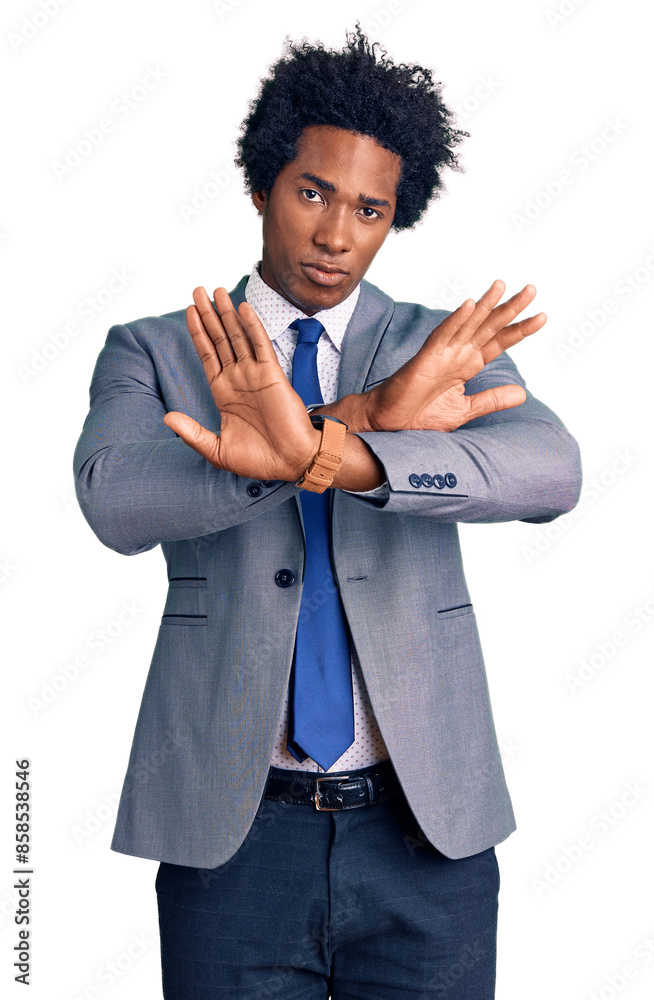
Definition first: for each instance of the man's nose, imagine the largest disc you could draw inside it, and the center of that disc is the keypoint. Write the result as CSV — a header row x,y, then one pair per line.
x,y
334,232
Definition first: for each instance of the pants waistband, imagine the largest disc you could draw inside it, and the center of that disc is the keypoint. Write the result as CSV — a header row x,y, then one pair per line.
x,y
328,791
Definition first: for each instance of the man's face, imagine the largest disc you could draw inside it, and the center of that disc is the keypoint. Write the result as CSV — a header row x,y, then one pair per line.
x,y
331,207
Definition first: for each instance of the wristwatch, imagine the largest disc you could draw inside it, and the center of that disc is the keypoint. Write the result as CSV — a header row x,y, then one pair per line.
x,y
327,462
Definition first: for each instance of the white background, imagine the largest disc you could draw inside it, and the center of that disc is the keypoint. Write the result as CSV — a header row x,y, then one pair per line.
x,y
534,88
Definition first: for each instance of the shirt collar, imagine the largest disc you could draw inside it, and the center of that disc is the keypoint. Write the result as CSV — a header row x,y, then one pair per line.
x,y
277,313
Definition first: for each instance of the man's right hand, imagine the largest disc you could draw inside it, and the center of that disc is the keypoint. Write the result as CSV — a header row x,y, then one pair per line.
x,y
428,392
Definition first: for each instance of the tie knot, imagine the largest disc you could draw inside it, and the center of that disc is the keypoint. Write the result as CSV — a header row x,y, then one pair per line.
x,y
308,330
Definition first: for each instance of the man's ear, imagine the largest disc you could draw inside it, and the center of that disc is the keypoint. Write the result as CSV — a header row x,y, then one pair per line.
x,y
259,200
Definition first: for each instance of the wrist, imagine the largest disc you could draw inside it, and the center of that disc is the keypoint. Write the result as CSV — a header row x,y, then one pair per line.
x,y
360,469
319,475
316,434
351,409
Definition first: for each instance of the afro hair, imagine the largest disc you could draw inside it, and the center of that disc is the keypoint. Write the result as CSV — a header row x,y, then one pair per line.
x,y
359,90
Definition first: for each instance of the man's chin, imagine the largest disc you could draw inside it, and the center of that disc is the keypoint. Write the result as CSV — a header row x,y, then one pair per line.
x,y
314,298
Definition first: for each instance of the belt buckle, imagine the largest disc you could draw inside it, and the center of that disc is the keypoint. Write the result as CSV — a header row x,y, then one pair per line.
x,y
327,777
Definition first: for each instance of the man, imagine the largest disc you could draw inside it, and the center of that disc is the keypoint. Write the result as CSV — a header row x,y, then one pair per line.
x,y
315,764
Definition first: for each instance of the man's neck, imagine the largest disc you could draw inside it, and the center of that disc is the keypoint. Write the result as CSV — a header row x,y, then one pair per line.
x,y
268,278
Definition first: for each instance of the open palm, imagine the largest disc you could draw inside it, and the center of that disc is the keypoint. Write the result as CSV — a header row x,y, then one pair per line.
x,y
265,431
428,392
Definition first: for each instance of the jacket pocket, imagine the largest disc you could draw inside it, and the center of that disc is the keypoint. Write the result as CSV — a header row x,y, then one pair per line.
x,y
171,619
455,612
186,603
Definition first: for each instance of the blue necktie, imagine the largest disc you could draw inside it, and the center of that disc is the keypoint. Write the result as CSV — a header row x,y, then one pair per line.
x,y
321,703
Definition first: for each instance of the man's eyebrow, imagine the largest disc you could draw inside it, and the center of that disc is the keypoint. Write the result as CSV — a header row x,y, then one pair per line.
x,y
367,200
319,182
328,186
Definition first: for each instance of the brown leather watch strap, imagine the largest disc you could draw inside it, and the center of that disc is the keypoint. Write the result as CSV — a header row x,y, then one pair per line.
x,y
327,462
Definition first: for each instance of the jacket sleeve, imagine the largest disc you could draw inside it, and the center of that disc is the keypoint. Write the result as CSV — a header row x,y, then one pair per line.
x,y
516,464
137,483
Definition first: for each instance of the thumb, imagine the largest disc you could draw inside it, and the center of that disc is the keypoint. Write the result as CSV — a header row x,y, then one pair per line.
x,y
205,442
502,397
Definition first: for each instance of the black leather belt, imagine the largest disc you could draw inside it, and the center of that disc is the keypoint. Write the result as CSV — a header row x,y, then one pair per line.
x,y
328,792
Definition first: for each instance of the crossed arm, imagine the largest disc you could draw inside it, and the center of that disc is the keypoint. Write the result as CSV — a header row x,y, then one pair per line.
x,y
265,430
460,404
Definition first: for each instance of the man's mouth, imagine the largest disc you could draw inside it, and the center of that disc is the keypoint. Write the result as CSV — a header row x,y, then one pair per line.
x,y
323,273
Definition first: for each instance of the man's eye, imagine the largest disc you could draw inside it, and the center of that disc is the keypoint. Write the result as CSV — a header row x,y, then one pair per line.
x,y
309,191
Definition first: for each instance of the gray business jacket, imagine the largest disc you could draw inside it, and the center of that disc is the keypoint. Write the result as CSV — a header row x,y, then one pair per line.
x,y
221,664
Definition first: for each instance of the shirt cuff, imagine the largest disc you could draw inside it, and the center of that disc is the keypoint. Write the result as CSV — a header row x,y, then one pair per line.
x,y
382,492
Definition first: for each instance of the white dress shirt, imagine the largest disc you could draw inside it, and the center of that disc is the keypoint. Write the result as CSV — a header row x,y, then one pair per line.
x,y
277,313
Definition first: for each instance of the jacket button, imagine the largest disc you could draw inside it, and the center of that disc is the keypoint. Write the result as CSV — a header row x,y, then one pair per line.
x,y
415,480
284,577
268,482
450,480
427,480
439,482
254,489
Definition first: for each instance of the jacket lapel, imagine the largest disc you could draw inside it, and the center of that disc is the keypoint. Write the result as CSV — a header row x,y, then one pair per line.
x,y
370,319
237,295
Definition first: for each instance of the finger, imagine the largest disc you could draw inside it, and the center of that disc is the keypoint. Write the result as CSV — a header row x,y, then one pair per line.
x,y
204,345
511,335
482,310
233,325
441,335
214,327
502,397
502,315
259,338
205,442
